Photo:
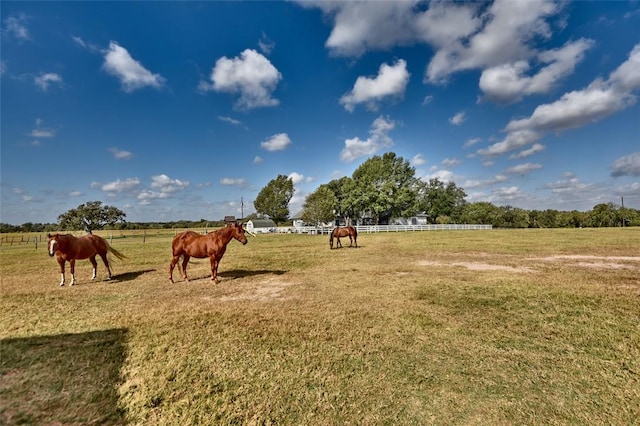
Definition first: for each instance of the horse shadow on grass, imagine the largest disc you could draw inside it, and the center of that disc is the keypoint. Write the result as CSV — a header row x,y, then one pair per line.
x,y
63,379
239,273
130,276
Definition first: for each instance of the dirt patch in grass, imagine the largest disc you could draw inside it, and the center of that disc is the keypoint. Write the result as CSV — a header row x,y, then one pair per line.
x,y
271,288
596,262
586,257
476,266
583,261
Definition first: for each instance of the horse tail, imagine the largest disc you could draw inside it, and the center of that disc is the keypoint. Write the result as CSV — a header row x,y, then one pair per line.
x,y
115,252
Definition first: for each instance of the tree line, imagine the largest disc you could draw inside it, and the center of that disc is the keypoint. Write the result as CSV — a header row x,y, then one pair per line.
x,y
380,189
385,187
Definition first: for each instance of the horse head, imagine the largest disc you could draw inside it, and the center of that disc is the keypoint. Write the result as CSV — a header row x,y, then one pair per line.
x,y
52,245
237,232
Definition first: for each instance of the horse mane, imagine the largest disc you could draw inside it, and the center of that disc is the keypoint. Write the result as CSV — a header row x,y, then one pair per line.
x,y
223,231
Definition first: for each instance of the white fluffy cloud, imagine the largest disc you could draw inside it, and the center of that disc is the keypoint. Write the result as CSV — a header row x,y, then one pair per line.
x,y
391,81
233,182
629,165
494,36
507,83
276,142
120,154
132,75
523,169
535,148
16,26
119,185
497,37
458,119
251,76
361,26
378,138
165,184
44,80
297,178
418,160
575,109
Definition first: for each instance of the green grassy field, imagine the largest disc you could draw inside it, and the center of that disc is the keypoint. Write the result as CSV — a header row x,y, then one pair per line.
x,y
439,327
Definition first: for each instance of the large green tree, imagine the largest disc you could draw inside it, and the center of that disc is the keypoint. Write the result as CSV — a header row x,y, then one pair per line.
x,y
273,199
384,186
345,207
440,200
320,206
90,216
481,212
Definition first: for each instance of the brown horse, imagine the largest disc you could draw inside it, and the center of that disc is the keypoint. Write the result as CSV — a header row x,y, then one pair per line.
x,y
66,247
347,231
212,245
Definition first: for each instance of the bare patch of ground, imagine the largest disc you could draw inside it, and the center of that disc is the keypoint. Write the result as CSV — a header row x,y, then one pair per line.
x,y
595,262
476,266
604,265
586,257
261,291
584,261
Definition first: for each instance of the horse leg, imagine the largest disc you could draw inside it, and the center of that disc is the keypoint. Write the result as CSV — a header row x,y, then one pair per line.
x,y
355,240
214,269
61,263
174,261
338,244
72,264
92,259
350,241
105,260
185,262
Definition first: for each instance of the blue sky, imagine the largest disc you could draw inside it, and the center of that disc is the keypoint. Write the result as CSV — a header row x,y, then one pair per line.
x,y
180,110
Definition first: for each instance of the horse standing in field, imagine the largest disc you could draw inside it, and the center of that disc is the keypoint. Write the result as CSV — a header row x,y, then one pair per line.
x,y
66,247
212,245
347,231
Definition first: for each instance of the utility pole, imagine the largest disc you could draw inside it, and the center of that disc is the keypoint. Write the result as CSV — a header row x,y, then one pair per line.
x,y
623,216
241,208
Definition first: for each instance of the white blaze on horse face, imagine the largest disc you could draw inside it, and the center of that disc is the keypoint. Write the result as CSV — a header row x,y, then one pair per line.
x,y
52,247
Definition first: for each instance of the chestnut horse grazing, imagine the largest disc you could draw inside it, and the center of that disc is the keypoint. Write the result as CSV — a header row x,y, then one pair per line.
x,y
347,231
212,245
66,247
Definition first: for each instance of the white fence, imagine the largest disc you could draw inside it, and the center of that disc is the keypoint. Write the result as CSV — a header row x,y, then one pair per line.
x,y
367,229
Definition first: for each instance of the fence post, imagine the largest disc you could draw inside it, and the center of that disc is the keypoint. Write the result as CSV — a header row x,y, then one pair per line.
x,y
144,236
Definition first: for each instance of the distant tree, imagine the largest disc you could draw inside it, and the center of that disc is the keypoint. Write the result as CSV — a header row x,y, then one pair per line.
x,y
91,216
482,212
344,205
548,218
320,206
436,199
384,186
629,217
273,199
572,219
605,214
514,217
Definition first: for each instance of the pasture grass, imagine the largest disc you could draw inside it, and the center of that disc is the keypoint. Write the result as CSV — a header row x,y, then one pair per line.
x,y
438,327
